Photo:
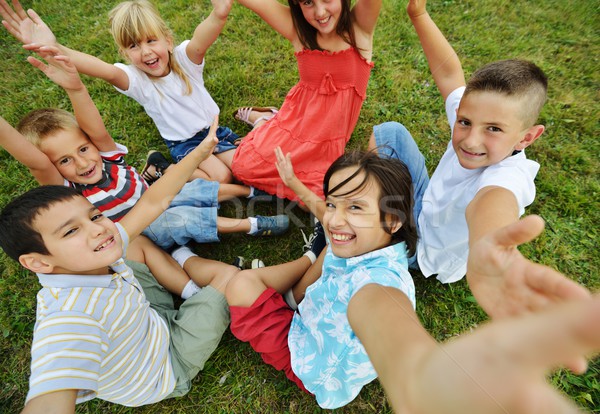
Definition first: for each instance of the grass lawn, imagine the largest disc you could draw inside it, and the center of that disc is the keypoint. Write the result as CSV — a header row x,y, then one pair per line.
x,y
251,65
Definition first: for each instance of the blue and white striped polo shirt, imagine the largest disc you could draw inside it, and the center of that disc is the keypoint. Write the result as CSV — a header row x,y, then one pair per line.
x,y
99,335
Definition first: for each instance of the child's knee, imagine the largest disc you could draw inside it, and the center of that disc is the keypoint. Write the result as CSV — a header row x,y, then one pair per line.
x,y
222,279
239,288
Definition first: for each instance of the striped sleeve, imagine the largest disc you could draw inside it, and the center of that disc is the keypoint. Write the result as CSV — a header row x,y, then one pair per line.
x,y
66,353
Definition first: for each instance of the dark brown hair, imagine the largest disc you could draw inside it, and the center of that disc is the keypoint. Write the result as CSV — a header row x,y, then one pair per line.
x,y
395,190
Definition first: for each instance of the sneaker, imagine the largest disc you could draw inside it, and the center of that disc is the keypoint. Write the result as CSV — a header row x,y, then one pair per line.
x,y
239,262
257,263
315,242
271,225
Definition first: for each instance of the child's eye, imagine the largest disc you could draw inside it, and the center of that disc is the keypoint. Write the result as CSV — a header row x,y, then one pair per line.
x,y
97,217
307,2
464,122
70,232
132,46
64,161
354,207
494,129
83,149
329,205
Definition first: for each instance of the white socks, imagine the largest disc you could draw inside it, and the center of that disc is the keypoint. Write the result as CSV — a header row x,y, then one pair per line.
x,y
181,254
189,290
253,225
311,256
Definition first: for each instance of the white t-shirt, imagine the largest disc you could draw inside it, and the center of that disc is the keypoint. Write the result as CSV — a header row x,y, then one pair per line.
x,y
443,244
177,116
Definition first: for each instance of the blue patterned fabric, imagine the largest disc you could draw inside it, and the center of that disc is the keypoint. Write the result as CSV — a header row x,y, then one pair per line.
x,y
325,353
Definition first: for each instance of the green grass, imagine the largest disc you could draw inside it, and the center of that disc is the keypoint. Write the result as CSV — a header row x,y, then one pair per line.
x,y
251,65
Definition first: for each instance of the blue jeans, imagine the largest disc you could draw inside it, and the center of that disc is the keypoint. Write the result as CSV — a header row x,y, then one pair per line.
x,y
180,149
192,215
393,140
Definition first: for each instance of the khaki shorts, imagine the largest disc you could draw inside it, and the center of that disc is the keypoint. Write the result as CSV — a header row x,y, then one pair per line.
x,y
196,327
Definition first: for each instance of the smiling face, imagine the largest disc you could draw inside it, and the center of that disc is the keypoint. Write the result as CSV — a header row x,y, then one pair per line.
x,y
74,155
323,15
151,55
489,127
79,239
353,221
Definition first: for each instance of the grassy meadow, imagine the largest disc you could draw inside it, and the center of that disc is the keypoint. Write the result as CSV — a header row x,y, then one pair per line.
x,y
251,65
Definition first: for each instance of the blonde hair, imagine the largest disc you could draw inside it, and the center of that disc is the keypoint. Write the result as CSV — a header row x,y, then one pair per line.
x,y
132,21
38,124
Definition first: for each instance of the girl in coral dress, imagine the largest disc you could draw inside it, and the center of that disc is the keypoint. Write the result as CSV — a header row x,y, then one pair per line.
x,y
333,45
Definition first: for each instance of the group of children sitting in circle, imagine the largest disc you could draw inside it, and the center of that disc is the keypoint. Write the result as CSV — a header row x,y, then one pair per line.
x,y
343,313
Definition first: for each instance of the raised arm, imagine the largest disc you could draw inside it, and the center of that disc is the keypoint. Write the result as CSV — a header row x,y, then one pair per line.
x,y
365,14
275,15
29,29
207,32
443,62
157,198
502,280
286,171
29,155
62,72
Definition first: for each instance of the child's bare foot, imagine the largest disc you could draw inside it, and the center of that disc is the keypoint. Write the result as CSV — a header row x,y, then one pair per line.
x,y
254,116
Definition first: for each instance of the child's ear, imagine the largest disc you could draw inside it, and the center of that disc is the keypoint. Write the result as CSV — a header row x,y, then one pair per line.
x,y
36,262
531,135
394,223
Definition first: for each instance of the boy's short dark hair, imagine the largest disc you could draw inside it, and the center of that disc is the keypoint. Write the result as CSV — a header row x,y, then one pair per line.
x,y
17,234
38,124
396,190
516,78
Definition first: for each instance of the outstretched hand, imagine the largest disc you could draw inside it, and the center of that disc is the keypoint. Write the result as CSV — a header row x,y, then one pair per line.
x,y
506,283
27,27
59,68
501,367
284,167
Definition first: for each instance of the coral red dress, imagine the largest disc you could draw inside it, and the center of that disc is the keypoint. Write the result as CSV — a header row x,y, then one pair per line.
x,y
314,123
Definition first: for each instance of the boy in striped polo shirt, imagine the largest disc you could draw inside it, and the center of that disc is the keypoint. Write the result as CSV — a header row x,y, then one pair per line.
x,y
101,331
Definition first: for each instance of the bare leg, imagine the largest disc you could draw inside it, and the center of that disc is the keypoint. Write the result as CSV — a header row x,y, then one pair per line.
x,y
209,272
248,285
311,275
216,170
230,225
230,191
226,157
163,267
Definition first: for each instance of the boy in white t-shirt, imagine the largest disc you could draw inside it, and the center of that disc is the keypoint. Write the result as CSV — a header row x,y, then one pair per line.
x,y
483,181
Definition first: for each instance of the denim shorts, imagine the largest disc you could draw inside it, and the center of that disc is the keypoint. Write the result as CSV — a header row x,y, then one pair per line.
x,y
192,215
180,149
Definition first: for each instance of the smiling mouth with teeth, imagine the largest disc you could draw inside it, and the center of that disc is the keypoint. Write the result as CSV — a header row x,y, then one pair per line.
x,y
342,237
152,62
88,172
103,245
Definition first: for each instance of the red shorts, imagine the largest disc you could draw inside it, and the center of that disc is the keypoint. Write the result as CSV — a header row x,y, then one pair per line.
x,y
265,325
